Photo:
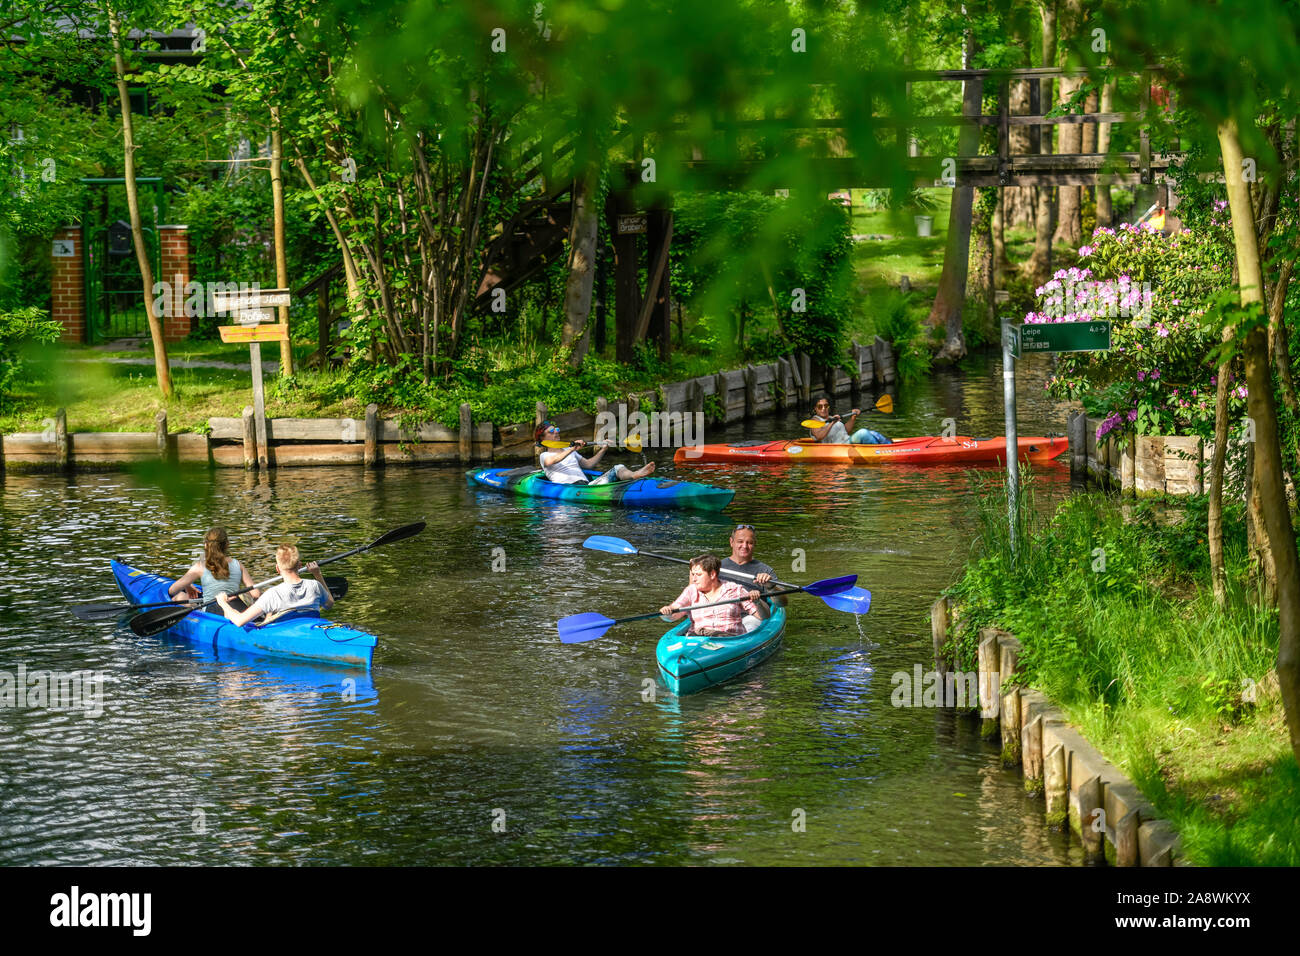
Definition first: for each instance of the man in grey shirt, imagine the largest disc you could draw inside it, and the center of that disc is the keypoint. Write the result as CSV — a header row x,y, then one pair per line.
x,y
293,593
742,560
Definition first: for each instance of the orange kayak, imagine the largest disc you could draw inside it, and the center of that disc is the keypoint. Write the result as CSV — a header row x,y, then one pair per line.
x,y
925,450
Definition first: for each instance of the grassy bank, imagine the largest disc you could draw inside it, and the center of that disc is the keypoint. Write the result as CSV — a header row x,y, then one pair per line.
x,y
1112,604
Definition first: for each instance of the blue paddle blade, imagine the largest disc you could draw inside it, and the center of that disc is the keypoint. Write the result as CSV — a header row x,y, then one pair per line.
x,y
852,601
577,628
601,542
832,585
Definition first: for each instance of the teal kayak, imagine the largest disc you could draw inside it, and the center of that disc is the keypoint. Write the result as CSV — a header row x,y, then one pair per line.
x,y
639,493
690,664
300,635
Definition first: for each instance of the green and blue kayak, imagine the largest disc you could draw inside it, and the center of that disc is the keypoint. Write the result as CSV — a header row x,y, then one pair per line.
x,y
689,664
650,492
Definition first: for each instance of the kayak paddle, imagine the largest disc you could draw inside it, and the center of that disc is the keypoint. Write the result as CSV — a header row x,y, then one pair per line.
x,y
107,610
633,443
577,628
159,619
838,593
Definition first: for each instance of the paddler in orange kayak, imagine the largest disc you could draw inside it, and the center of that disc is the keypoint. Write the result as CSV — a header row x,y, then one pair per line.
x,y
836,432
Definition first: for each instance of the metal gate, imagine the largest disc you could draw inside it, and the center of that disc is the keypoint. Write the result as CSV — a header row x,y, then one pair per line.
x,y
114,289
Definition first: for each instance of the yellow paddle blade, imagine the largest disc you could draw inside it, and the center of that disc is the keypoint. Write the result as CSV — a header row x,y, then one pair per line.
x,y
885,403
555,444
812,423
633,443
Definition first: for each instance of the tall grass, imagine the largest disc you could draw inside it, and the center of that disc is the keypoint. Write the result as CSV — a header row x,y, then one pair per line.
x,y
1113,607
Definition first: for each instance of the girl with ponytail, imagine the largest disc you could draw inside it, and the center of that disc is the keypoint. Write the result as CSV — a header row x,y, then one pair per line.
x,y
217,573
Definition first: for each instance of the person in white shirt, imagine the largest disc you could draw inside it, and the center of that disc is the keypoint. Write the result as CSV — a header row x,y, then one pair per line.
x,y
294,593
565,466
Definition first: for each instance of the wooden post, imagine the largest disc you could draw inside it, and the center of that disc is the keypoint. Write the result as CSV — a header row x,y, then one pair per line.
x,y
250,439
1126,839
1008,655
782,383
602,409
1010,717
62,456
540,415
259,403
939,633
659,237
751,392
466,434
1054,787
989,674
1031,746
695,398
855,377
721,391
160,433
372,436
1092,822
805,379
1077,428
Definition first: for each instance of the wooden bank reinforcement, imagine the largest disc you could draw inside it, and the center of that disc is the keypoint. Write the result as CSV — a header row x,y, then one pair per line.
x,y
1081,789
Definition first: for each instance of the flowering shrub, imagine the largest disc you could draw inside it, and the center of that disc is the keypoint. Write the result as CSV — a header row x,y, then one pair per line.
x,y
1159,375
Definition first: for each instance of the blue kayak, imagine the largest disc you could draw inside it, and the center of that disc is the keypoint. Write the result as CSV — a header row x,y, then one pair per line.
x,y
690,664
303,635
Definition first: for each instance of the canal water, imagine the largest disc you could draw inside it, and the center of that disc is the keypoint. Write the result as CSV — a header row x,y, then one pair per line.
x,y
479,738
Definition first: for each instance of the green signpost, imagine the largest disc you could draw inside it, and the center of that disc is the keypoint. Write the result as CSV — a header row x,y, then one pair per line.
x,y
1060,337
1037,337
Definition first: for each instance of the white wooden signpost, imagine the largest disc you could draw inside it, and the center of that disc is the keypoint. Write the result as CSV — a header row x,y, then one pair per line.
x,y
254,311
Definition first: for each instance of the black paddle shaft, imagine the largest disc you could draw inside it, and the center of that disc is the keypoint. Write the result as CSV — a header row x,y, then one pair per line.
x,y
104,610
723,572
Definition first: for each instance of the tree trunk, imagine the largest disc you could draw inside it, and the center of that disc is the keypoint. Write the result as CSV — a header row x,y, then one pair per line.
x,y
1001,264
948,301
981,267
1218,577
1039,265
161,369
281,263
1018,201
1070,139
582,268
1268,461
1069,229
1105,212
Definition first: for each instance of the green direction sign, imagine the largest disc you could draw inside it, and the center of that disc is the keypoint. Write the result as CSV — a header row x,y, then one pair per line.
x,y
1061,337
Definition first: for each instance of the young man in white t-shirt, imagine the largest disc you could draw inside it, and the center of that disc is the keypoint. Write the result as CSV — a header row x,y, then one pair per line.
x,y
565,467
294,593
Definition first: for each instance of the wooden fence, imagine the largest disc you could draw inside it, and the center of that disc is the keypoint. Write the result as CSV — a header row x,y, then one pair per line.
x,y
790,382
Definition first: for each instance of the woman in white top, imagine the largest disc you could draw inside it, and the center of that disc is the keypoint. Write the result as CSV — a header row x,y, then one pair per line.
x,y
565,466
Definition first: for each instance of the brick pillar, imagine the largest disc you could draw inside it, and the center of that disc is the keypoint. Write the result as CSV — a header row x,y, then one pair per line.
x,y
68,285
175,269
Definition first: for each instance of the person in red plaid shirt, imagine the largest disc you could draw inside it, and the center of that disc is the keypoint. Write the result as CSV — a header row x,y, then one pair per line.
x,y
705,588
